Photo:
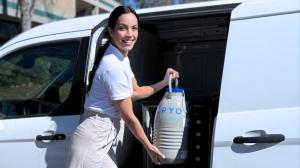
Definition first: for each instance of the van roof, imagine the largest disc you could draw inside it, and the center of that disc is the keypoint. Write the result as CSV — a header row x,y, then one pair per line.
x,y
57,27
89,22
189,5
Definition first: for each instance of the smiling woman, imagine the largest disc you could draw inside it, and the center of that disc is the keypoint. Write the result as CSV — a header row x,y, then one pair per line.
x,y
110,98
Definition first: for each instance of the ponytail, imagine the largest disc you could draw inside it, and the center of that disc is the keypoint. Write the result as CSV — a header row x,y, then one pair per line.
x,y
99,55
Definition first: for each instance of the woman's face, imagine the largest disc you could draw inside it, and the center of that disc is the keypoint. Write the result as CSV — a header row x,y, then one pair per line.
x,y
125,33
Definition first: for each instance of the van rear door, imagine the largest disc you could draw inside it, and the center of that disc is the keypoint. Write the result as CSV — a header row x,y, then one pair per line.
x,y
258,122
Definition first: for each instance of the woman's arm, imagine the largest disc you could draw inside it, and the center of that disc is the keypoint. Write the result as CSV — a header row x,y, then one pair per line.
x,y
124,106
141,92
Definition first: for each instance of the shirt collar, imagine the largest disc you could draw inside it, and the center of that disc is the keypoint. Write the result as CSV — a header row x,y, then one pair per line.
x,y
113,50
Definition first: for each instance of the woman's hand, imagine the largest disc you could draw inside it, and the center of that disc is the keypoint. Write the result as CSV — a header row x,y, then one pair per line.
x,y
170,71
141,92
156,156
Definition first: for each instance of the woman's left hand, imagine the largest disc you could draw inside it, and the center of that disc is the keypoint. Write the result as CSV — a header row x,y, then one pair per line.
x,y
170,71
156,156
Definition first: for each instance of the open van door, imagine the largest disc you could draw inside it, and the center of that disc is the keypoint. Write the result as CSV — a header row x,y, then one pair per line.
x,y
258,121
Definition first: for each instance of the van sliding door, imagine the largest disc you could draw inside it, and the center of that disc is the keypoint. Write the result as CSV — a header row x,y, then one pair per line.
x,y
258,123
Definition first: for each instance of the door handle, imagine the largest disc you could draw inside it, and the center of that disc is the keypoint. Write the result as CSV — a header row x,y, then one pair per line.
x,y
267,138
54,137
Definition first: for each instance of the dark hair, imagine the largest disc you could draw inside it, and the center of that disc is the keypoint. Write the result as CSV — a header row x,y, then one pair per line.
x,y
118,11
99,55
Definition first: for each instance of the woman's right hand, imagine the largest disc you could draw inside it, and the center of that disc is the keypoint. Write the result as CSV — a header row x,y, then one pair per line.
x,y
156,156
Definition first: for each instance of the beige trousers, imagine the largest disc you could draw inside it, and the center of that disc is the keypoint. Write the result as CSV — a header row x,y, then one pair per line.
x,y
92,141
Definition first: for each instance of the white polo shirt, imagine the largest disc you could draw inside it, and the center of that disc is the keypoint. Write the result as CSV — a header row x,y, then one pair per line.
x,y
112,81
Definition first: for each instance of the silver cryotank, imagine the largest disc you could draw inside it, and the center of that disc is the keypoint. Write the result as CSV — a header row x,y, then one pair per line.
x,y
170,126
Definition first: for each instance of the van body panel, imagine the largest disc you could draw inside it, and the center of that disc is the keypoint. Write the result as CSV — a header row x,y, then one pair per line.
x,y
259,8
260,87
266,77
246,123
278,155
19,145
262,64
252,122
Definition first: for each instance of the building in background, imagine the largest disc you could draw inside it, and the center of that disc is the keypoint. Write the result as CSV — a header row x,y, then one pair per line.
x,y
137,4
48,11
93,7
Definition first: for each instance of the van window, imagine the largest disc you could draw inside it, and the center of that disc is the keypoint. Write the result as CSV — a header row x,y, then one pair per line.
x,y
34,81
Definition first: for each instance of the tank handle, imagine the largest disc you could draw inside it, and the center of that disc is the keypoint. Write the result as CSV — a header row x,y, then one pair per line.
x,y
170,83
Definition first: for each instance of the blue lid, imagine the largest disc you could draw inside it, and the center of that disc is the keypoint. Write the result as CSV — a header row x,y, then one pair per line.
x,y
175,90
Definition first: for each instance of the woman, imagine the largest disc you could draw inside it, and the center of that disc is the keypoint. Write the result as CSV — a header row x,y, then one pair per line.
x,y
110,98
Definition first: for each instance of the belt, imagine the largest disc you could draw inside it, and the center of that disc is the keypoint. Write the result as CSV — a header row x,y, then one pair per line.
x,y
88,113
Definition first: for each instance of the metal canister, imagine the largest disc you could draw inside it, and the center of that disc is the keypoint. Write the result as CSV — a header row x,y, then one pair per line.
x,y
171,126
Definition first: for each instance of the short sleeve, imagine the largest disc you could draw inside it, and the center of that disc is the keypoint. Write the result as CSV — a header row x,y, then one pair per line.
x,y
131,74
117,85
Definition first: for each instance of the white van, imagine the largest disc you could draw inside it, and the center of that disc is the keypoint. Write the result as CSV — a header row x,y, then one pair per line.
x,y
239,63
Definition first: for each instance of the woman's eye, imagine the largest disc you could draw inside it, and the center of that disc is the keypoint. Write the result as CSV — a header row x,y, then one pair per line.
x,y
121,28
135,28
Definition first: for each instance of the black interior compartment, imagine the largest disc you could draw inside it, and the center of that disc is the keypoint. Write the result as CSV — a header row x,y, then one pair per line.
x,y
195,46
201,114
